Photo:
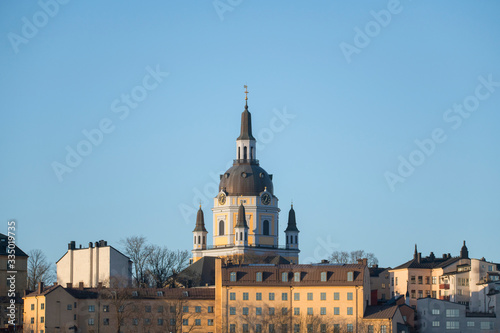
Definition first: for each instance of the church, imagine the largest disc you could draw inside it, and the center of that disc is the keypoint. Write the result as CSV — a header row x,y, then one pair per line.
x,y
245,211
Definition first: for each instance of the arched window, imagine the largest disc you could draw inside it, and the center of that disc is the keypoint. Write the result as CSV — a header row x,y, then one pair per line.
x,y
221,228
239,156
251,153
244,153
265,228
195,239
199,239
203,240
241,236
296,237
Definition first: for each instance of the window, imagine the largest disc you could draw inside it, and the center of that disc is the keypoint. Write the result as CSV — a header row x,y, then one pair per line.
x,y
210,309
172,321
412,294
487,325
435,323
135,293
434,294
309,311
271,328
296,311
309,328
296,276
350,276
258,296
232,311
232,296
284,296
349,296
197,309
271,311
349,311
245,311
210,322
323,296
284,277
271,296
452,325
349,328
434,280
370,329
160,322
323,311
42,306
336,296
232,277
284,311
420,294
197,322
265,228
91,308
296,328
185,309
42,319
90,321
172,309
232,328
396,280
383,329
258,328
258,276
245,328
336,328
323,276
32,306
105,321
296,296
159,293
420,280
245,296
427,280
147,308
435,312
452,313
221,228
323,328
147,321
309,296
135,321
284,328
70,306
336,311
185,322
470,324
258,311
32,320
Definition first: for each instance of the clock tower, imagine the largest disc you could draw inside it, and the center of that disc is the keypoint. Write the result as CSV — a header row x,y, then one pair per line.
x,y
245,211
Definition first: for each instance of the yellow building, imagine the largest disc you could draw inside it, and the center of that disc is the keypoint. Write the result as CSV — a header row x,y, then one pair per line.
x,y
57,309
245,211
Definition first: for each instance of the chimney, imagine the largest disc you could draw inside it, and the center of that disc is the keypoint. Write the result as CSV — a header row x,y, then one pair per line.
x,y
71,245
80,285
90,245
444,255
375,266
40,287
362,261
99,285
419,257
324,261
69,285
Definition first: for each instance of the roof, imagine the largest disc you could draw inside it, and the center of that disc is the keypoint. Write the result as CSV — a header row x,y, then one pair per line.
x,y
276,260
246,125
292,222
310,275
4,241
375,270
246,177
380,311
242,221
428,262
200,273
86,248
200,221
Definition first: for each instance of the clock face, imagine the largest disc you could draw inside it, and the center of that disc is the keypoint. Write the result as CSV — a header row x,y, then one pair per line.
x,y
266,199
222,199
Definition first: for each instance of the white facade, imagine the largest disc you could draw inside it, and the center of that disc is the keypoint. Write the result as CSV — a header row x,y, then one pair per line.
x,y
96,264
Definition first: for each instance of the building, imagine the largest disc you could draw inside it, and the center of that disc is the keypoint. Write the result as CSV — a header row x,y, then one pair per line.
x,y
97,264
438,315
245,211
446,278
380,282
56,309
12,289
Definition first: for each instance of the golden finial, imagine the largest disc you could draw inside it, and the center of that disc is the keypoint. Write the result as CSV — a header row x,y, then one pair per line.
x,y
246,92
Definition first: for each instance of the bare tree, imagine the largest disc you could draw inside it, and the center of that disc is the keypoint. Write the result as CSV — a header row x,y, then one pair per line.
x,y
343,257
164,265
39,269
139,252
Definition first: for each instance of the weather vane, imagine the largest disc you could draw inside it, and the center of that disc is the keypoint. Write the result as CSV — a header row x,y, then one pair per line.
x,y
246,92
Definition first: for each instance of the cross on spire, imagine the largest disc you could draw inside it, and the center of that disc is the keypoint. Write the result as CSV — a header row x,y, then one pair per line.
x,y
246,92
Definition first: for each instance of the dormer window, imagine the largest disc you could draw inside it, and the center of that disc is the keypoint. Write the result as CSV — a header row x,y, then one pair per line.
x,y
323,276
232,277
296,276
135,293
350,276
284,277
258,276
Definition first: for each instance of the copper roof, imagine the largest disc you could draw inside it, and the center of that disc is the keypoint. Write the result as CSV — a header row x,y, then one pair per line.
x,y
200,221
380,311
310,275
292,222
246,125
242,220
246,177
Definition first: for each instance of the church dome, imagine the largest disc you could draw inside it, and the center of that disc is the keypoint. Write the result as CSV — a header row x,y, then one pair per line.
x,y
246,179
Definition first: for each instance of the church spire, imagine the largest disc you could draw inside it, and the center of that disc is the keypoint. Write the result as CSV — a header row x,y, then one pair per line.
x,y
292,222
200,221
242,221
246,121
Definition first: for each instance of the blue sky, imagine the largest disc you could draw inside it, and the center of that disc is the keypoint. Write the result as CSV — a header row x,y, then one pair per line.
x,y
338,100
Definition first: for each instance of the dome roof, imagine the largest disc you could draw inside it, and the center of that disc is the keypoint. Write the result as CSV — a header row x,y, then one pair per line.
x,y
246,179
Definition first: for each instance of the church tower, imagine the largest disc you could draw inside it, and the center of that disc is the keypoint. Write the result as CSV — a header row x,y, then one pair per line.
x,y
245,212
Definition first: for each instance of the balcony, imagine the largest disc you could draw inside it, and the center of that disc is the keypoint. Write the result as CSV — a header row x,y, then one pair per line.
x,y
444,286
444,298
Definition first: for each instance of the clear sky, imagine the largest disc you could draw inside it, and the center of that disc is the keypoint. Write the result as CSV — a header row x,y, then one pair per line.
x,y
380,120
